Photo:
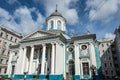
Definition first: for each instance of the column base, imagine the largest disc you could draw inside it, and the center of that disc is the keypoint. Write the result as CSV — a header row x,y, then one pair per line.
x,y
86,77
56,77
77,77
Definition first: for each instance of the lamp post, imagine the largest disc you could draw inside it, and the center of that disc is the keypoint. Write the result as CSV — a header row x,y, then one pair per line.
x,y
93,68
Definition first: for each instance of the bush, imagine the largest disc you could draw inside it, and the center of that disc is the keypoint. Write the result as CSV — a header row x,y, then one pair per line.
x,y
83,79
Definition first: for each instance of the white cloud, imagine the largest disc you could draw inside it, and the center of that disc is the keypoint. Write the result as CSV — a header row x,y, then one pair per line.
x,y
12,1
4,14
25,23
63,7
102,9
109,36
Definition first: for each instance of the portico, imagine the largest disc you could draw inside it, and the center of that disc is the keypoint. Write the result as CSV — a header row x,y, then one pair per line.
x,y
38,59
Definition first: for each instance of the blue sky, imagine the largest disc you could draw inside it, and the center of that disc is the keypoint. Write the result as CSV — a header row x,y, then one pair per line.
x,y
101,17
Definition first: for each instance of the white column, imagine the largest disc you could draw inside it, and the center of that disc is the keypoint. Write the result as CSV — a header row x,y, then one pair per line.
x,y
77,64
31,59
9,66
20,58
23,60
92,55
43,59
53,59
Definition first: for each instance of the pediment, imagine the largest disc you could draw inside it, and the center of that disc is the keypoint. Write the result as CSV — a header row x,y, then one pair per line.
x,y
37,34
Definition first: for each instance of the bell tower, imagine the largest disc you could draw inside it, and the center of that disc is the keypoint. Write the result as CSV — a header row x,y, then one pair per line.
x,y
56,22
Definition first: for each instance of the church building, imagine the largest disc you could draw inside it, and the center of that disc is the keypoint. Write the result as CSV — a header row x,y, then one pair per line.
x,y
54,55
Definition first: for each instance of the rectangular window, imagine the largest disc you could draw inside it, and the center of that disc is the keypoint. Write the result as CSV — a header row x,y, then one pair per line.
x,y
11,38
1,60
106,72
0,70
5,70
13,69
111,64
85,68
116,65
15,40
8,52
112,72
3,51
105,64
7,36
102,45
6,61
1,34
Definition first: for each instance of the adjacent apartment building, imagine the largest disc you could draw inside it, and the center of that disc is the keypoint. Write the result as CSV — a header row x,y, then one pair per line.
x,y
107,49
117,51
7,37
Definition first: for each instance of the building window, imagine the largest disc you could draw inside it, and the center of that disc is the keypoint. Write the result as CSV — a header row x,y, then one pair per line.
x,y
111,72
11,38
116,65
7,36
102,45
111,64
1,60
0,70
52,24
107,44
59,25
103,51
106,72
115,58
15,40
71,67
6,61
118,72
8,52
1,34
109,58
105,65
85,68
13,69
5,70
3,51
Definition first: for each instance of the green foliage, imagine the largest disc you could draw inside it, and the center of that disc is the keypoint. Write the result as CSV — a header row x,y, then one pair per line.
x,y
72,78
8,79
83,79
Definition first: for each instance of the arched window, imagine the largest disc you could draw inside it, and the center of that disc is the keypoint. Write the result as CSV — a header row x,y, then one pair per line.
x,y
52,24
71,67
59,25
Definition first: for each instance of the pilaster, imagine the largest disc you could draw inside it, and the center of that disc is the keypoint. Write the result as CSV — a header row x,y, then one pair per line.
x,y
77,64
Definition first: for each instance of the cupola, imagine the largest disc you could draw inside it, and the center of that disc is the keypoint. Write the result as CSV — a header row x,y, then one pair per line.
x,y
56,22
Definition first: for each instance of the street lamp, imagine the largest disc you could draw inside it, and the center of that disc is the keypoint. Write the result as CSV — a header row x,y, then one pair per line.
x,y
93,68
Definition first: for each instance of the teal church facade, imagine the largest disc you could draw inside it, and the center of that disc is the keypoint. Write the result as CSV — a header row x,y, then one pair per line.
x,y
54,55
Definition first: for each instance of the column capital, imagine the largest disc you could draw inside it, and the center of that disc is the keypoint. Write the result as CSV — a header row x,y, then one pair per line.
x,y
31,46
76,44
43,44
52,43
91,42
